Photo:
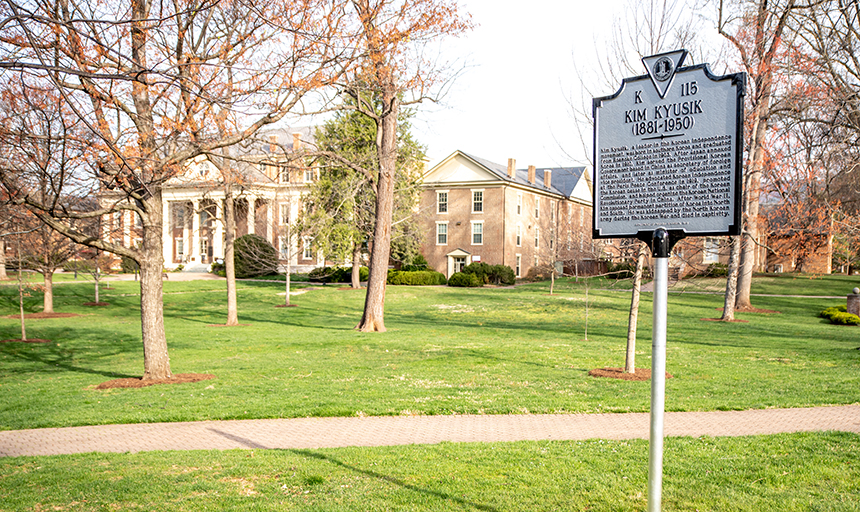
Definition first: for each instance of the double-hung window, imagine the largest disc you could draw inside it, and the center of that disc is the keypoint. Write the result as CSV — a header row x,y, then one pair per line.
x,y
519,235
712,251
441,233
477,233
519,203
442,201
477,201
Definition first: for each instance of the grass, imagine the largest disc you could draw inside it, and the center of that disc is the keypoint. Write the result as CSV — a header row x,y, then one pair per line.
x,y
797,472
447,351
779,284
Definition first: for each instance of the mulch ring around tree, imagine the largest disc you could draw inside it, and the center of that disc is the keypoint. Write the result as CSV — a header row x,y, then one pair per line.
x,y
28,340
286,305
137,382
32,316
735,321
754,310
96,304
618,373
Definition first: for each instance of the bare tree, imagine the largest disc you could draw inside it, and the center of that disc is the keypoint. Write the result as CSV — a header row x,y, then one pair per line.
x,y
755,29
151,83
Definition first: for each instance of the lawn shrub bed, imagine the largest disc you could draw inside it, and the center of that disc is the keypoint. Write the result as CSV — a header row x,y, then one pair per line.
x,y
840,316
465,280
416,278
492,274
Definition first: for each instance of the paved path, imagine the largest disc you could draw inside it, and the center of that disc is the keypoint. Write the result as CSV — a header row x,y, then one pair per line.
x,y
391,430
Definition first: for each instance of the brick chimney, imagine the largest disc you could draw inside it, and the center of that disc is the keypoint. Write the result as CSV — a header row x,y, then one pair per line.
x,y
532,174
547,178
512,168
273,143
297,141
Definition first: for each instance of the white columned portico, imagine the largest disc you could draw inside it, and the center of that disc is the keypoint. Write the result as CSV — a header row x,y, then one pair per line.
x,y
194,250
218,242
166,233
252,206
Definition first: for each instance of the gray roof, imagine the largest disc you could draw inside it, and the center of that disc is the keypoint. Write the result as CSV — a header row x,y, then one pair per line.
x,y
564,179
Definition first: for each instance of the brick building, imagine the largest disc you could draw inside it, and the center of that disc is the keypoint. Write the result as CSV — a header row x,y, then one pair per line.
x,y
476,210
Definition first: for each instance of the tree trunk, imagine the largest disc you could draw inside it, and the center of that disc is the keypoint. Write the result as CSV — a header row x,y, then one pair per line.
x,y
288,269
3,275
97,284
356,266
374,302
732,281
156,362
229,259
21,293
552,280
48,300
633,318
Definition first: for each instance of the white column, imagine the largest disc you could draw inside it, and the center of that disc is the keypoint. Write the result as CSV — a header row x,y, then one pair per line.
x,y
186,239
127,219
218,243
252,204
195,231
166,233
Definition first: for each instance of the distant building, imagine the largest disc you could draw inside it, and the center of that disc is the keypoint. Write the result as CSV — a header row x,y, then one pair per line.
x,y
529,219
267,199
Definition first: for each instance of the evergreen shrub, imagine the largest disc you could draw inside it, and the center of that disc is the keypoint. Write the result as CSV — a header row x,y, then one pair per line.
x,y
463,279
254,256
491,274
840,316
416,278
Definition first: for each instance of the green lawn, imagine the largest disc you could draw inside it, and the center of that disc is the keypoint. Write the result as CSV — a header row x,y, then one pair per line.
x,y
447,351
779,473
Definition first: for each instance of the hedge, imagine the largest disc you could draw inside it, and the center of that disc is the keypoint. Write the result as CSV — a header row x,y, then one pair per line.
x,y
464,279
491,274
417,278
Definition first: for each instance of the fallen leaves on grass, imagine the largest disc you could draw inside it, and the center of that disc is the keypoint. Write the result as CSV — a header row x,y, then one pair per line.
x,y
618,373
137,382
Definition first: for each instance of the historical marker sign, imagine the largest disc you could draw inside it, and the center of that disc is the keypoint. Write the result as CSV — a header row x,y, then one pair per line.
x,y
667,152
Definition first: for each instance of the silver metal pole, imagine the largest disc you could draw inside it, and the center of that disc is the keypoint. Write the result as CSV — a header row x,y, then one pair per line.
x,y
658,383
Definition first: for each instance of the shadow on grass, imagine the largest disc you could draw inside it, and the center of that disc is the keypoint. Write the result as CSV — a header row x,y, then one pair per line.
x,y
52,356
248,443
396,481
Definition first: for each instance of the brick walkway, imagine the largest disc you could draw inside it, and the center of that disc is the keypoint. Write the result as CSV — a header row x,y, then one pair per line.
x,y
382,431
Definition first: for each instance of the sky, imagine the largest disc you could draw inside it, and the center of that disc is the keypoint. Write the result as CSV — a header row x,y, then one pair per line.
x,y
512,99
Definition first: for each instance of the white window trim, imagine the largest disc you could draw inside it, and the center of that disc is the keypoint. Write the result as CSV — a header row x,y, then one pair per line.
x,y
473,224
443,223
518,265
472,200
711,250
537,206
447,202
537,238
307,249
519,203
519,235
